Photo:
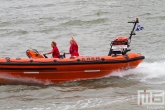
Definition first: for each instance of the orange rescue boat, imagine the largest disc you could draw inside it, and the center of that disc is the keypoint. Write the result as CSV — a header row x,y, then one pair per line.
x,y
38,69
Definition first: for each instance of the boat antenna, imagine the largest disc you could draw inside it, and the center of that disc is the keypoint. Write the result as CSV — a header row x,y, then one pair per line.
x,y
133,29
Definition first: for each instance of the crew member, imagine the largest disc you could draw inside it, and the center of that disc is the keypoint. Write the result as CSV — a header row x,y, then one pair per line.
x,y
73,50
55,52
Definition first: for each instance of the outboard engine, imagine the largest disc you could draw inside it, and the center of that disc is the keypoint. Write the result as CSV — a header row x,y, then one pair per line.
x,y
119,46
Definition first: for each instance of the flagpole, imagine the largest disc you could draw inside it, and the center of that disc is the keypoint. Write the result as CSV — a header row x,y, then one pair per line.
x,y
133,30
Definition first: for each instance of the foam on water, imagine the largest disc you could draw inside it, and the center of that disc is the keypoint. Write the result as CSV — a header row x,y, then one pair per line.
x,y
19,80
90,103
152,73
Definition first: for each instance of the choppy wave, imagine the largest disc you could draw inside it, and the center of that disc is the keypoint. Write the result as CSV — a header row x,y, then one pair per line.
x,y
152,73
80,22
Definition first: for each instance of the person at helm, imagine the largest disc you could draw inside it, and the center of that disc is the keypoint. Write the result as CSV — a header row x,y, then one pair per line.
x,y
55,52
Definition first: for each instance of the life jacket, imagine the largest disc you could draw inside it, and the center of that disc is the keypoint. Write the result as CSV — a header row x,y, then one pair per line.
x,y
74,50
56,53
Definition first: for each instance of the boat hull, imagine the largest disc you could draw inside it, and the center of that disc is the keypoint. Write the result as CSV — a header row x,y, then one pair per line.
x,y
13,71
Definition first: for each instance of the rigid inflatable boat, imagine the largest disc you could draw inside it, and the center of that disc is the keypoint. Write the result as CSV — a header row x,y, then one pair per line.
x,y
39,68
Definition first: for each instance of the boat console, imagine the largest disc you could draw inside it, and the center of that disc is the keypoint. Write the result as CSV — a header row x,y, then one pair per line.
x,y
33,53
